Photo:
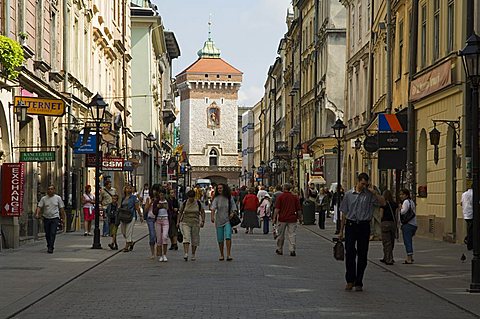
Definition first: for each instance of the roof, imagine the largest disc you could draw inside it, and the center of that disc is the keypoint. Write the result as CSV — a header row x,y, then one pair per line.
x,y
206,65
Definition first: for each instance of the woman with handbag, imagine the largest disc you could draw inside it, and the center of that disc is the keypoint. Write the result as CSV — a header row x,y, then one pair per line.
x,y
112,217
88,201
223,210
150,217
409,223
130,206
191,218
389,227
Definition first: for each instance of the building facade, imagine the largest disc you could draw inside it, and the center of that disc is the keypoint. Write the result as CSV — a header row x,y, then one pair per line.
x,y
209,116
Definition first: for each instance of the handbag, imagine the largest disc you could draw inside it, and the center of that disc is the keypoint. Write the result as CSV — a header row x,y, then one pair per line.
x,y
339,251
179,236
125,215
408,216
235,220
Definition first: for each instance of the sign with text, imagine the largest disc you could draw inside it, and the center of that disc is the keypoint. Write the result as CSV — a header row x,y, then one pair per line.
x,y
37,156
108,163
432,81
13,181
41,106
392,140
89,147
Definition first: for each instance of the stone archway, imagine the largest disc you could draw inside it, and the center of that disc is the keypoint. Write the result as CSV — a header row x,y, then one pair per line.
x,y
217,179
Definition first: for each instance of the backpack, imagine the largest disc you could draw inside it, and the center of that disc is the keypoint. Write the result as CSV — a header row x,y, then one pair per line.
x,y
198,202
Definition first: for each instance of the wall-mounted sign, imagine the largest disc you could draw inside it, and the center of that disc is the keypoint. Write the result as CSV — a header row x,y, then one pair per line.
x,y
43,156
90,146
370,144
431,81
41,106
108,163
13,181
392,122
392,140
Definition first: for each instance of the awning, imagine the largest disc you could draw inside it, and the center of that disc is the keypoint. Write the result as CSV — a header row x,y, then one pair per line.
x,y
317,180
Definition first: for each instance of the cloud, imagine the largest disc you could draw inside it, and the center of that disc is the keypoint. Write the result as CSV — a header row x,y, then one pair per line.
x,y
249,96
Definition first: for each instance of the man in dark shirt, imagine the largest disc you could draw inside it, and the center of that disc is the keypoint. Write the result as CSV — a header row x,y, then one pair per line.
x,y
357,211
287,213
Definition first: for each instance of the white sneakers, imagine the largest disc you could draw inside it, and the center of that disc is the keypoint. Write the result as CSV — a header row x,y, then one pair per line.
x,y
163,259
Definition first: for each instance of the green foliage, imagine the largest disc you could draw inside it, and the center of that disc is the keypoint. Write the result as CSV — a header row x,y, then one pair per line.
x,y
11,56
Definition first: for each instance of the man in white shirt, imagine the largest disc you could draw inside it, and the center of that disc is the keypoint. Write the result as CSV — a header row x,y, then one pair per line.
x,y
51,208
467,207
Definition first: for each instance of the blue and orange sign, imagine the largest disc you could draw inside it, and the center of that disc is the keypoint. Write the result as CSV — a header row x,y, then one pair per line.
x,y
392,123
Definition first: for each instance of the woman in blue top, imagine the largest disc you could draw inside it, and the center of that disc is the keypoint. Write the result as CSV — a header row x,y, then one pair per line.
x,y
222,209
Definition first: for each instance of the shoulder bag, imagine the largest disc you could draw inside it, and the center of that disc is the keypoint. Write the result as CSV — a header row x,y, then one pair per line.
x,y
125,215
234,220
408,216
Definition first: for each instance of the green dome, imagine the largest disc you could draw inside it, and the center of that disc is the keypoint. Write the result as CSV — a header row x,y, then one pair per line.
x,y
209,50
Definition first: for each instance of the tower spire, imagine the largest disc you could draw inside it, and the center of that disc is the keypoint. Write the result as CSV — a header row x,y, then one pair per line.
x,y
209,50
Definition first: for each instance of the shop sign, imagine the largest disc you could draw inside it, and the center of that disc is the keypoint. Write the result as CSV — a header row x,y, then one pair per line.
x,y
317,169
370,144
46,156
392,159
13,181
103,125
112,164
89,147
128,166
41,106
431,82
392,140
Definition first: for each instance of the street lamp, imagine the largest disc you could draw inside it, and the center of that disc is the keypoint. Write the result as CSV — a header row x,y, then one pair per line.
x,y
262,168
471,62
435,141
97,108
358,144
245,175
150,139
188,167
253,174
21,110
298,148
339,131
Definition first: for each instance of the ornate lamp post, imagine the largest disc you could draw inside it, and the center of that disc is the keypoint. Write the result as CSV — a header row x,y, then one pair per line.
x,y
253,174
471,62
339,131
97,108
21,110
150,139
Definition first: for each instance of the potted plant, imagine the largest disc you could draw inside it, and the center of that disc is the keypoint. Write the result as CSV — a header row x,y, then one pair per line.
x,y
11,57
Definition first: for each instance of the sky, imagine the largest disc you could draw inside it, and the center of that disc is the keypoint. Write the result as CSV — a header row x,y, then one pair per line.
x,y
246,31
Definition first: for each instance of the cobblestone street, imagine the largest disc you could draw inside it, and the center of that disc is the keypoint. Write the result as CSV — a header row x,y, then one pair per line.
x,y
256,284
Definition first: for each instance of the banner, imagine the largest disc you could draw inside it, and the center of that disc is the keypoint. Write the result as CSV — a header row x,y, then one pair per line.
x,y
13,181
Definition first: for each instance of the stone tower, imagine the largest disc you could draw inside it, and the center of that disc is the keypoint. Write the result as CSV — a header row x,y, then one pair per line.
x,y
209,116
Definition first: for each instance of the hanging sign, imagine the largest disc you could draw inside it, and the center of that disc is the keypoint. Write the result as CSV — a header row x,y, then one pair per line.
x,y
41,106
89,147
13,181
42,156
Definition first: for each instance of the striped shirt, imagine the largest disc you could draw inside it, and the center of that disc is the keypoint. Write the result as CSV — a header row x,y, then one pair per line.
x,y
359,206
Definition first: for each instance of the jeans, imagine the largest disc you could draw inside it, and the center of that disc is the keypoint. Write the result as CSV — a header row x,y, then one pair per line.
x,y
408,231
50,225
105,228
469,238
357,239
266,223
151,231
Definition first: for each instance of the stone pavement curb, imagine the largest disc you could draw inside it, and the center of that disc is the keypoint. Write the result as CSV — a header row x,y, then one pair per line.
x,y
439,272
34,288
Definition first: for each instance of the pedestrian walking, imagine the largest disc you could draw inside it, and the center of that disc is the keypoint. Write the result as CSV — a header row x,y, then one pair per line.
x,y
173,207
106,196
131,205
112,217
264,212
467,208
376,222
312,192
409,223
222,209
388,215
160,210
191,218
250,207
278,191
150,218
51,208
321,206
357,209
287,213
88,202
261,193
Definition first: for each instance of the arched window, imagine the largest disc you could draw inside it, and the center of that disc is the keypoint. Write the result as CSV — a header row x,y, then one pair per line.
x,y
213,157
